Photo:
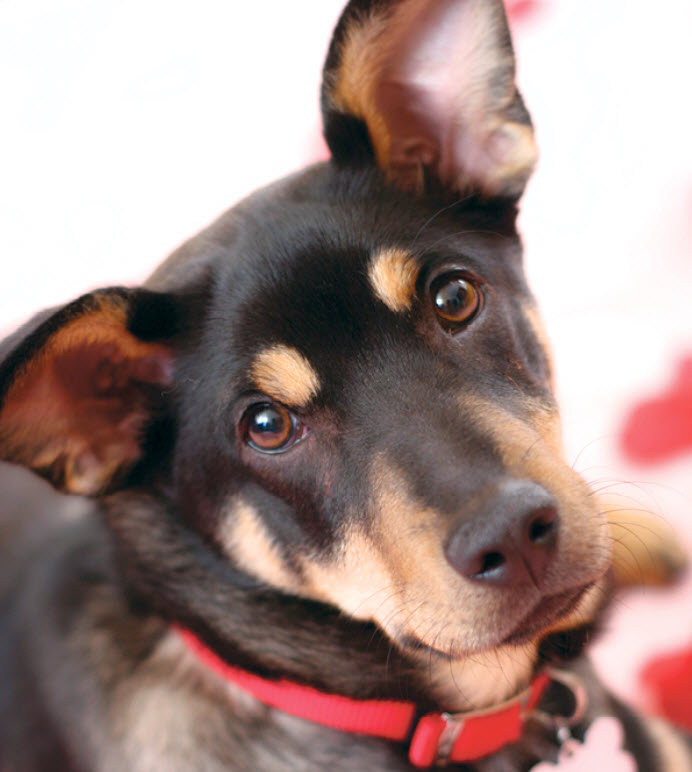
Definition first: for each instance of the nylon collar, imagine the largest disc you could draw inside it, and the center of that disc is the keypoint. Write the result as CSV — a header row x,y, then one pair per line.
x,y
433,738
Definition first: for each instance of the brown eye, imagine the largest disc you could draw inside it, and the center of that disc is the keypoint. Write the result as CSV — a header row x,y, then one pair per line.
x,y
270,428
456,299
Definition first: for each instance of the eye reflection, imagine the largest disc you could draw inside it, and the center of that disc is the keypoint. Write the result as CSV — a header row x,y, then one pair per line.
x,y
271,428
456,299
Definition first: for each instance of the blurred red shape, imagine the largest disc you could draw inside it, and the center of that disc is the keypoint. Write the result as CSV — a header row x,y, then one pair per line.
x,y
660,427
668,681
518,10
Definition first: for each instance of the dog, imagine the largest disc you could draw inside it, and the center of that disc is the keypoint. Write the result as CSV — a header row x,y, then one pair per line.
x,y
322,515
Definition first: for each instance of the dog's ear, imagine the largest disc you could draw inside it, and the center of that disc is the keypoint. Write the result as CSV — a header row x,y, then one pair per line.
x,y
80,387
427,88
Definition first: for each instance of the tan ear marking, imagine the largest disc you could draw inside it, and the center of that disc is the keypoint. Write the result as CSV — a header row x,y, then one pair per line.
x,y
393,275
354,84
283,373
75,410
434,82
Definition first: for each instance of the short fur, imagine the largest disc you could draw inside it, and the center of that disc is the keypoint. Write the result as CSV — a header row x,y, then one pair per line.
x,y
298,449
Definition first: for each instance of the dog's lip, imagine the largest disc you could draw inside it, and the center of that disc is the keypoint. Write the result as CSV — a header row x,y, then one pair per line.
x,y
543,615
414,645
546,612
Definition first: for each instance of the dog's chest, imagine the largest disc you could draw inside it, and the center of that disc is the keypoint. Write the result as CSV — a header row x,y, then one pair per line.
x,y
174,715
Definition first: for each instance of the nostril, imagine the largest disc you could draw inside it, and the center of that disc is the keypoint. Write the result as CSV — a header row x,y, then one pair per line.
x,y
490,562
511,538
542,526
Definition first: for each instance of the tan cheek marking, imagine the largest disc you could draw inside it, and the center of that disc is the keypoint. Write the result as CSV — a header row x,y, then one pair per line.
x,y
392,276
672,751
284,373
395,574
534,442
245,539
541,428
357,580
374,575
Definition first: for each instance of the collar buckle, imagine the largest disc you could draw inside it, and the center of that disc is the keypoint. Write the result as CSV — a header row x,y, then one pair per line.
x,y
442,738
453,725
573,683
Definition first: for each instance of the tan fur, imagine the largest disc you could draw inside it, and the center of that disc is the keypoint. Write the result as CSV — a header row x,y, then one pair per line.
x,y
530,449
356,579
80,427
490,676
245,539
585,611
353,88
392,275
646,549
395,573
487,151
409,589
286,375
373,575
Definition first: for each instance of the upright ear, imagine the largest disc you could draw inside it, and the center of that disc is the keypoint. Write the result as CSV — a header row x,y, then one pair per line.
x,y
428,88
78,391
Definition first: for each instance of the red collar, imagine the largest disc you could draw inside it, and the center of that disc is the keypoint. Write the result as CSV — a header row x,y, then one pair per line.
x,y
434,738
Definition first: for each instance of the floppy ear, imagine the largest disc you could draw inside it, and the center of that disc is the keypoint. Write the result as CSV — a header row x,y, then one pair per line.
x,y
428,88
79,390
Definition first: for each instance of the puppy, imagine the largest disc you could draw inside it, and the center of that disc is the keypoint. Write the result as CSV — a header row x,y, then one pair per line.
x,y
331,521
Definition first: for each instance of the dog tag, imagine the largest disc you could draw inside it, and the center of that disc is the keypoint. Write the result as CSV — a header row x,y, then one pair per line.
x,y
601,749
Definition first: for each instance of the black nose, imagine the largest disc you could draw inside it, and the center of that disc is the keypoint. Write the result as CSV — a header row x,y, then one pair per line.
x,y
511,539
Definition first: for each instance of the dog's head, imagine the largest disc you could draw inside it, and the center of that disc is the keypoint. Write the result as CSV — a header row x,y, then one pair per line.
x,y
342,385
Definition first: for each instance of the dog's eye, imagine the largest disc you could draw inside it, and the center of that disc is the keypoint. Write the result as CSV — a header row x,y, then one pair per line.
x,y
270,428
456,299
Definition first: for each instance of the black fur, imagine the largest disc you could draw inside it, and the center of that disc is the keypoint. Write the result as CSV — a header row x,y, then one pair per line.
x,y
92,676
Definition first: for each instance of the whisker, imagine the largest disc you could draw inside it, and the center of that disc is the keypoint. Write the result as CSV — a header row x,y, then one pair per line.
x,y
431,219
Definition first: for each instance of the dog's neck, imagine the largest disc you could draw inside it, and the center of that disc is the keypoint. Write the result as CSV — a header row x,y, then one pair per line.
x,y
483,679
278,635
184,580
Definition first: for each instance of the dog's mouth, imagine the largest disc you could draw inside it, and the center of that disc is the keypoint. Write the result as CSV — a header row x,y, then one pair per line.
x,y
546,614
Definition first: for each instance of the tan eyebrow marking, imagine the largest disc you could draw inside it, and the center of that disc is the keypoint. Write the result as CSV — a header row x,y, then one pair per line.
x,y
393,273
284,373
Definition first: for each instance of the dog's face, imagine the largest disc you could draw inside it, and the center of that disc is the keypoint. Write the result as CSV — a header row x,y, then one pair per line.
x,y
369,422
342,386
